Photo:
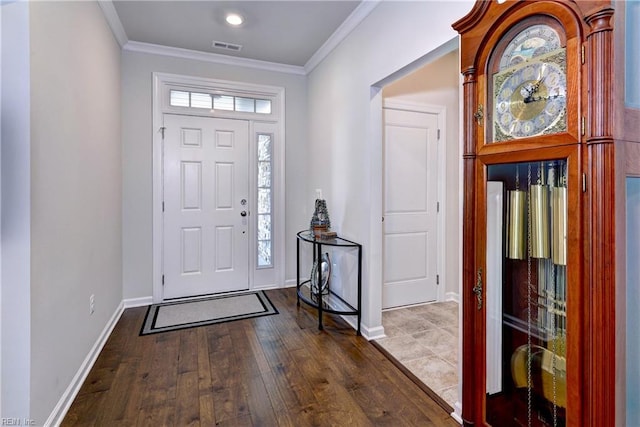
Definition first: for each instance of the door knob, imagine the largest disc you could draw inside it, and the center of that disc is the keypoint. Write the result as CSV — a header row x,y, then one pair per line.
x,y
243,213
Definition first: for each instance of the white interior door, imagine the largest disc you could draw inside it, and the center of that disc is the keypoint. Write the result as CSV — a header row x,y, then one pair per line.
x,y
410,208
206,205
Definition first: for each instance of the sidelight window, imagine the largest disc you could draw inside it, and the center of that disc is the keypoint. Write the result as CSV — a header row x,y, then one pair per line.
x,y
265,197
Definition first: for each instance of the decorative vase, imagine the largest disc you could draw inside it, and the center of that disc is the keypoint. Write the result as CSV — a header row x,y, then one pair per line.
x,y
320,220
321,270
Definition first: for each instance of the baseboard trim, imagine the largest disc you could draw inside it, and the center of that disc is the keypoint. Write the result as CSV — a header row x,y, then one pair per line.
x,y
264,287
61,409
290,283
452,296
457,412
372,333
137,302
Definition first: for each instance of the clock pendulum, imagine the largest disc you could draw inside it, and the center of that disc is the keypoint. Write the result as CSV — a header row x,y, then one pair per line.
x,y
539,365
529,304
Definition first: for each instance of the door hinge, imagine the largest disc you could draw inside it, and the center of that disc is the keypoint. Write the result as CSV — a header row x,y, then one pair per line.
x,y
583,126
162,206
582,54
584,182
162,130
438,134
163,280
437,206
437,279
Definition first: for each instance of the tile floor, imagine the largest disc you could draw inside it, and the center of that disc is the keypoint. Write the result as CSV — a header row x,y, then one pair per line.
x,y
424,339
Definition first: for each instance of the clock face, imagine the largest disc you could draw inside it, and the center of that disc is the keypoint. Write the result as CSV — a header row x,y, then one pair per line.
x,y
530,99
530,87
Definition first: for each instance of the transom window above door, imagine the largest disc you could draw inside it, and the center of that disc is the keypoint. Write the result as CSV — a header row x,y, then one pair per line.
x,y
241,104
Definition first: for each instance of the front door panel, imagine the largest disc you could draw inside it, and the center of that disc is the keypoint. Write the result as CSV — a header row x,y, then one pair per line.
x,y
205,223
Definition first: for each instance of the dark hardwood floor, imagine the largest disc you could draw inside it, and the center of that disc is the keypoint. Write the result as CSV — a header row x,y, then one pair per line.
x,y
276,370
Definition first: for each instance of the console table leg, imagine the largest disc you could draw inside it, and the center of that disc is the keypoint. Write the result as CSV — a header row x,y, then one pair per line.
x,y
298,271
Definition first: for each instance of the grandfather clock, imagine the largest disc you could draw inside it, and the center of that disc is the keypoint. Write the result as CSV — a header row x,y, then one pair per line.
x,y
548,142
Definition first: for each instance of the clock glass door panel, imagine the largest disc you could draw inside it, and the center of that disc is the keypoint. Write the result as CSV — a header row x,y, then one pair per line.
x,y
526,293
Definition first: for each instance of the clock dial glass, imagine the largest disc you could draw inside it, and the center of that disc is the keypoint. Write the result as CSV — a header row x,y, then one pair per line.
x,y
536,40
530,86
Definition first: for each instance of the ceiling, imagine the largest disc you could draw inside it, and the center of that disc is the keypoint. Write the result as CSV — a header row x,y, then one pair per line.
x,y
282,32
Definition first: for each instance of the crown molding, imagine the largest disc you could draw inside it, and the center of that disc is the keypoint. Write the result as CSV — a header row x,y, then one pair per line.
x,y
353,20
109,11
197,55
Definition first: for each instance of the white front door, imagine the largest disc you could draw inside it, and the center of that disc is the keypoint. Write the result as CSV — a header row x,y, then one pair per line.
x,y
410,208
206,205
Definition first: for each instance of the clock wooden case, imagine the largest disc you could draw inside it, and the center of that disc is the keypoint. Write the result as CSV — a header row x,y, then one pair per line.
x,y
548,142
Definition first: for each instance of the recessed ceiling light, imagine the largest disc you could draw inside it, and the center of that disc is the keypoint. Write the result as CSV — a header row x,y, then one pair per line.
x,y
234,19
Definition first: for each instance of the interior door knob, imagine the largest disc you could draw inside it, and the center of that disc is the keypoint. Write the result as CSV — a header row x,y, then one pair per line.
x,y
243,213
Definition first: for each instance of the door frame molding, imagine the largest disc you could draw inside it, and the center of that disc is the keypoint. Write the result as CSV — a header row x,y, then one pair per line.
x,y
276,120
441,113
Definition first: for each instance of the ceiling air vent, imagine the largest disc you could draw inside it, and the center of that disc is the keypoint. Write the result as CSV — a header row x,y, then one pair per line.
x,y
227,46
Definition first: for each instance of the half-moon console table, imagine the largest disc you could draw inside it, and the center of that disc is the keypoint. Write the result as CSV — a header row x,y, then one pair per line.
x,y
330,302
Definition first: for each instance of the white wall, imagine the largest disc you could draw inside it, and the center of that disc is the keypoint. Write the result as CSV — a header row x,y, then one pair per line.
x,y
76,196
345,122
437,83
137,69
16,212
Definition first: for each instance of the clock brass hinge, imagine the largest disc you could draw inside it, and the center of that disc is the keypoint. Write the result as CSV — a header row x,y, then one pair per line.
x,y
477,289
583,126
582,54
479,115
584,182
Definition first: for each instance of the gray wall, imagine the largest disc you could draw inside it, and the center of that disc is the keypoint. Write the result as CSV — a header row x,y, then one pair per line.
x,y
137,69
632,353
16,212
76,196
632,45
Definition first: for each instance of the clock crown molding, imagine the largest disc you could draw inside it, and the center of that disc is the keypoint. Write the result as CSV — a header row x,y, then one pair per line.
x,y
471,19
